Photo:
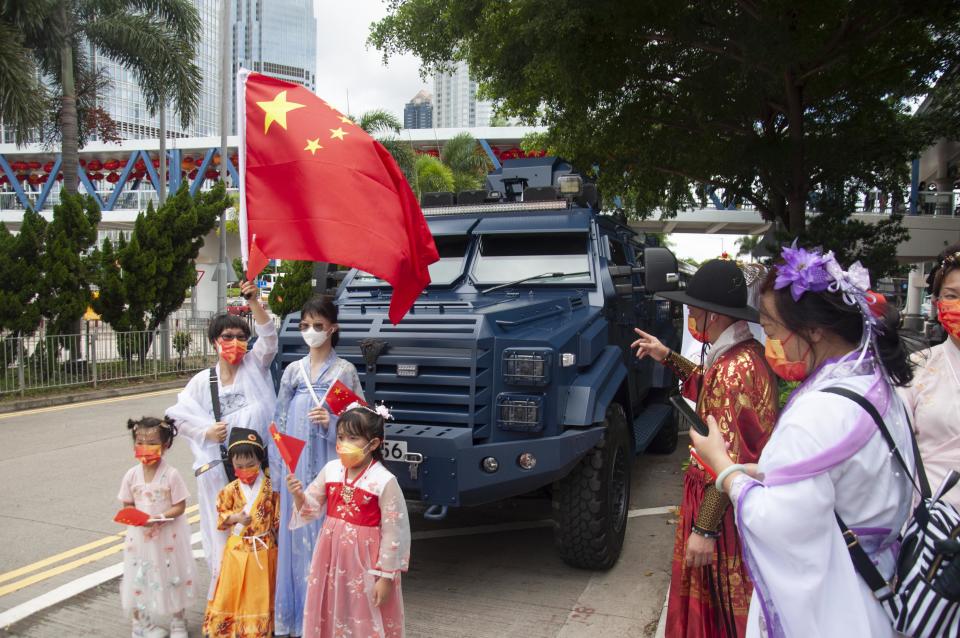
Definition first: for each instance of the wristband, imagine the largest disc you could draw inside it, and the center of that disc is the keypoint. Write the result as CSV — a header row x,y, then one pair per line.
x,y
699,531
381,574
721,477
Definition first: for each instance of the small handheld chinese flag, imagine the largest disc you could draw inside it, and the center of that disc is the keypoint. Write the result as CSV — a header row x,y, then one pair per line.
x,y
132,516
340,396
316,187
290,447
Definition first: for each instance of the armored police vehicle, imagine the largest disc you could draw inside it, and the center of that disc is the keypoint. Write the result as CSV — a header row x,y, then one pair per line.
x,y
512,373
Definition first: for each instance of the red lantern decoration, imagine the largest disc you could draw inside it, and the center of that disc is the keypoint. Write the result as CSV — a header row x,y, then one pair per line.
x,y
48,167
19,166
21,177
139,165
59,177
212,174
3,179
44,178
33,179
34,166
156,163
113,178
98,176
111,165
192,174
94,165
83,162
187,163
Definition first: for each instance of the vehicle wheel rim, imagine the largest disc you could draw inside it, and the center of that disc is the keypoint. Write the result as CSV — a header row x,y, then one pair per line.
x,y
618,490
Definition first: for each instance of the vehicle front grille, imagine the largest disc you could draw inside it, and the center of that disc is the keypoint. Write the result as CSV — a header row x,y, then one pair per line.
x,y
453,382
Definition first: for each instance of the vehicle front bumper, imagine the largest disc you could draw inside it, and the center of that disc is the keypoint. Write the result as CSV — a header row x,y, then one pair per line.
x,y
451,472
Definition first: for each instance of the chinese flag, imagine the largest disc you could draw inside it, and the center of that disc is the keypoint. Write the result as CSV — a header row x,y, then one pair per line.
x,y
317,187
132,516
290,447
340,396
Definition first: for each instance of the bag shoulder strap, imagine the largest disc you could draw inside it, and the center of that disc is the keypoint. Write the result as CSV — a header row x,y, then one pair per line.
x,y
924,485
215,394
861,562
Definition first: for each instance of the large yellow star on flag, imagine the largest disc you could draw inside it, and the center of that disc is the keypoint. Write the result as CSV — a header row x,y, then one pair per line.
x,y
337,133
277,437
345,119
313,146
277,110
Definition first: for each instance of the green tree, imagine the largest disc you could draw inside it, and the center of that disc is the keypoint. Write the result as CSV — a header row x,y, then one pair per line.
x,y
747,244
384,126
767,101
144,280
433,176
154,40
64,291
292,289
21,275
467,162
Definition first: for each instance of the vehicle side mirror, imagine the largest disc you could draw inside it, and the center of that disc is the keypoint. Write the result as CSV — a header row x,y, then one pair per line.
x,y
660,268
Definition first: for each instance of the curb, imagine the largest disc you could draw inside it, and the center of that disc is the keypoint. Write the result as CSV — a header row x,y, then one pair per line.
x,y
89,395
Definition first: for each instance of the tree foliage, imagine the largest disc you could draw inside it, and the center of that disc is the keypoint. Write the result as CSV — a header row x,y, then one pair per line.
x,y
21,275
143,280
433,176
292,290
767,101
467,162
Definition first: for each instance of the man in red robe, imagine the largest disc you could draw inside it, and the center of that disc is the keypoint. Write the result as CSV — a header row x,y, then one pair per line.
x,y
710,589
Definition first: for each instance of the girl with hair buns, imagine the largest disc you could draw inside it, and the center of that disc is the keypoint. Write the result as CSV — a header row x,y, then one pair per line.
x,y
934,396
158,567
826,458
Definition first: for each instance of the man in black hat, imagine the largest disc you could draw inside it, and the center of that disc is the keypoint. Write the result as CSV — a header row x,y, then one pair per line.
x,y
710,589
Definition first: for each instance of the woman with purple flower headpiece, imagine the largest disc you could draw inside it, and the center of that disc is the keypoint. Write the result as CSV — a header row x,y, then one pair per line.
x,y
826,457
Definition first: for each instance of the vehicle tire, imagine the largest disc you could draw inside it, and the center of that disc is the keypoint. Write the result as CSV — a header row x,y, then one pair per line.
x,y
665,442
590,504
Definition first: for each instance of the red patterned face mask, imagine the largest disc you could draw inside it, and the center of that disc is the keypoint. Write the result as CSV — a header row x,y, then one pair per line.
x,y
247,475
782,366
232,351
948,312
696,334
148,454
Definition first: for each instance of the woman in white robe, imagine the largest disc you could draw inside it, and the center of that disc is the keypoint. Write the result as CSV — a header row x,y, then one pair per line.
x,y
826,456
247,400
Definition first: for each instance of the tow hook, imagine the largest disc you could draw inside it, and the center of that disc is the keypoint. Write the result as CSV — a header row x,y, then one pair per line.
x,y
436,512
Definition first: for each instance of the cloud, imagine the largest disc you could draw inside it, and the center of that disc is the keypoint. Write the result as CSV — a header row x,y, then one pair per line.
x,y
346,65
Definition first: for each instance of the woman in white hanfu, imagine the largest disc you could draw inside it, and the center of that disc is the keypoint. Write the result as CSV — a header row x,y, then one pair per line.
x,y
826,456
247,398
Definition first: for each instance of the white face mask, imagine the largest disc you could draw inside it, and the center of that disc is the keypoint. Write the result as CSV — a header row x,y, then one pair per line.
x,y
313,338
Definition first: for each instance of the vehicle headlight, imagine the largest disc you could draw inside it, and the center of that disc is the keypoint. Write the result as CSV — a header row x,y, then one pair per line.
x,y
527,366
520,412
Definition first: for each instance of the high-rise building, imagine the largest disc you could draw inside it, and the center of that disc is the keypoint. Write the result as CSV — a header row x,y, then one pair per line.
x,y
123,101
277,38
418,112
455,100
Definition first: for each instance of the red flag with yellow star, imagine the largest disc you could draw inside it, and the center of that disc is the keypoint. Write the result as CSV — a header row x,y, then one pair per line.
x,y
317,187
290,447
339,397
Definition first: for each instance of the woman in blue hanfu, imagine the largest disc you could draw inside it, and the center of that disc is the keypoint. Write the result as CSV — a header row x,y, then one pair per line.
x,y
300,413
827,457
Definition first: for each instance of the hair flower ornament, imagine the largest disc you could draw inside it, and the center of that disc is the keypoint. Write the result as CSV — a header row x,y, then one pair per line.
x,y
803,271
382,410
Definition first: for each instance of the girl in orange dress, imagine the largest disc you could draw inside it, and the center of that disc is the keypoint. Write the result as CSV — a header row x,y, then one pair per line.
x,y
242,604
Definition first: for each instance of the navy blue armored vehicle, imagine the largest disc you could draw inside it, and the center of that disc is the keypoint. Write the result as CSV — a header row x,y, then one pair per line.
x,y
512,373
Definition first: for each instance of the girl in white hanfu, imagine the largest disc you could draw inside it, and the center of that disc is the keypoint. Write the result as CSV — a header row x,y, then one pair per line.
x,y
826,456
299,414
246,396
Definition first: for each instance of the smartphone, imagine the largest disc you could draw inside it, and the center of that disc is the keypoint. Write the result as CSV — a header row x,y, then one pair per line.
x,y
690,415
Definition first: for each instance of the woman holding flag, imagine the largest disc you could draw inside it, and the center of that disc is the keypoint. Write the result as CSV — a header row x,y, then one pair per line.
x,y
302,412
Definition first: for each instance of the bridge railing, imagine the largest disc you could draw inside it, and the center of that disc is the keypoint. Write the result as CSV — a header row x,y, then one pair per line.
x,y
126,200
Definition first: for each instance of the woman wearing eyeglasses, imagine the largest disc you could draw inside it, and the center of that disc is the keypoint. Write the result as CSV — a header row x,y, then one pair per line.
x,y
301,413
237,392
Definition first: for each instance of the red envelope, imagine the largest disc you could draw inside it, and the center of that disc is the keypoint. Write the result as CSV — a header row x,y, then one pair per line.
x,y
290,447
132,516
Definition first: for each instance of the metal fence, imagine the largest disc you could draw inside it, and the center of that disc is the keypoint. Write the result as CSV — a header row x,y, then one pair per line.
x,y
99,356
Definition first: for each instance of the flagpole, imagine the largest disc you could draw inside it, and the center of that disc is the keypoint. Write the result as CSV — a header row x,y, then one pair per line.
x,y
226,66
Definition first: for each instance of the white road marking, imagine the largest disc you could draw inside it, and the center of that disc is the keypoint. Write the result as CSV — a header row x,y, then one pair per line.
x,y
82,584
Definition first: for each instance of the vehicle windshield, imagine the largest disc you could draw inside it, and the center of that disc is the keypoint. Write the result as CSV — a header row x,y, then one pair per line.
x,y
506,258
453,252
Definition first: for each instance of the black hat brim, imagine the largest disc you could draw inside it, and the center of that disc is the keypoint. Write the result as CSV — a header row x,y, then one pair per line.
x,y
747,313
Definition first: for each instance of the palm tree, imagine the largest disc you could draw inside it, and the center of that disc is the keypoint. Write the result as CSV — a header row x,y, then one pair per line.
x,y
433,176
154,39
384,126
467,162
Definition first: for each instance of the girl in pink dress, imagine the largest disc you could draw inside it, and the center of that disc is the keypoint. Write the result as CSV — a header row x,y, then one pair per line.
x,y
159,574
353,587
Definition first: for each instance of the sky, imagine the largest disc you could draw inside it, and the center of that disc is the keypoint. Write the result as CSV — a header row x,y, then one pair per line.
x,y
347,67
